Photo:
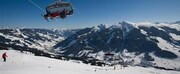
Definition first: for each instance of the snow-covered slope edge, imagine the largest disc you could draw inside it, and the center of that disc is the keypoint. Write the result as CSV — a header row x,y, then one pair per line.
x,y
23,63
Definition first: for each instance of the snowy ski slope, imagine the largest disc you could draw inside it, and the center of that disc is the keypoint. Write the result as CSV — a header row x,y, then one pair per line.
x,y
26,63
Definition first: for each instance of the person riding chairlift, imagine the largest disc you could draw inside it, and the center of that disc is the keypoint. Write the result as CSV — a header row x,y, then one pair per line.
x,y
55,14
63,14
48,14
51,15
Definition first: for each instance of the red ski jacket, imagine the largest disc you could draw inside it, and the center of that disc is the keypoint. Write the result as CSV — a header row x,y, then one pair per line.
x,y
4,55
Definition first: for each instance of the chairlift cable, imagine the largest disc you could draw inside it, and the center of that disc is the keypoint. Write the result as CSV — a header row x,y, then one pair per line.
x,y
36,5
75,8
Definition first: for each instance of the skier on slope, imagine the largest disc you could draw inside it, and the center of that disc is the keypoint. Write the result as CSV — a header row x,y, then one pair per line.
x,y
4,55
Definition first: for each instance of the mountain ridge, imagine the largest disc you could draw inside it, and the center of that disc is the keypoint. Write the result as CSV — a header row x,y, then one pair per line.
x,y
150,40
144,44
34,38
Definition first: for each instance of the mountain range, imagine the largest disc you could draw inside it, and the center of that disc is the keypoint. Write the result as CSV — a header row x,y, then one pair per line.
x,y
33,38
143,44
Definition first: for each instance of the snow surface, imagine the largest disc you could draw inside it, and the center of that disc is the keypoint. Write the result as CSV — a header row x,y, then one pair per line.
x,y
83,52
170,64
143,32
174,36
19,33
165,45
26,63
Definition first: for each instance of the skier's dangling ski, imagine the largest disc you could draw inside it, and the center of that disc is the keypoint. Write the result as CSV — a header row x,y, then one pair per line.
x,y
45,17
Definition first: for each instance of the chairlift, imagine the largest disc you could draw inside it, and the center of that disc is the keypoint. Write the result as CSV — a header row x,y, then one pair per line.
x,y
59,9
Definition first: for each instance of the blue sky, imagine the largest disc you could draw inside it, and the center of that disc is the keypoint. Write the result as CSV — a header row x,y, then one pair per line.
x,y
21,13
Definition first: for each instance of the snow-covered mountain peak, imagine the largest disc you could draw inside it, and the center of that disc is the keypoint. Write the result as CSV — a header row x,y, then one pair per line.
x,y
145,24
122,25
130,25
170,25
128,22
58,29
99,27
114,26
102,26
126,27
